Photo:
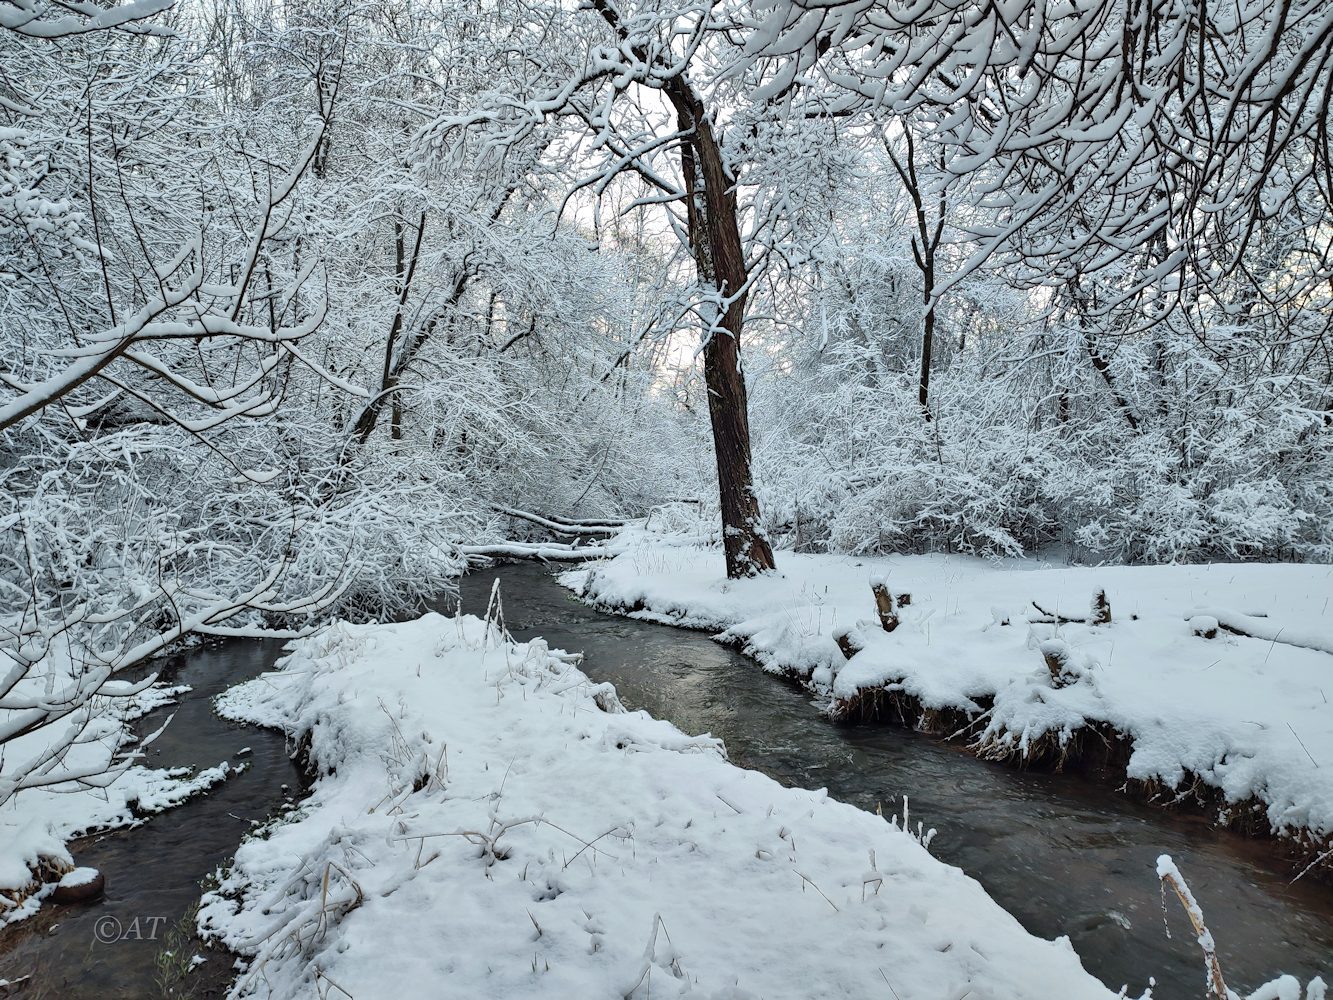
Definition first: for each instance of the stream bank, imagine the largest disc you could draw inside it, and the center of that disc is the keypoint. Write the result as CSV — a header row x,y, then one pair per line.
x,y
1055,850
116,947
1155,685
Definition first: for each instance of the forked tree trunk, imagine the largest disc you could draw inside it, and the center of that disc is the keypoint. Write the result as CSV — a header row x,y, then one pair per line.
x,y
715,244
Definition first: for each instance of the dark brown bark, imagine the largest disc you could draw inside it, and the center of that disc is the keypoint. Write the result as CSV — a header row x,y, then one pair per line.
x,y
925,244
715,244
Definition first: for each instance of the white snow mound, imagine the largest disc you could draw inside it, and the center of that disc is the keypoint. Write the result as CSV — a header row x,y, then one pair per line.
x,y
488,822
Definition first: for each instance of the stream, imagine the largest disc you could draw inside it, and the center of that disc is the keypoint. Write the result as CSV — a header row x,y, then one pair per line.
x,y
113,949
1063,855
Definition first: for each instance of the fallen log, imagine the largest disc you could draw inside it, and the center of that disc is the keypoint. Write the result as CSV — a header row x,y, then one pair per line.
x,y
545,553
602,525
1204,626
1255,627
559,525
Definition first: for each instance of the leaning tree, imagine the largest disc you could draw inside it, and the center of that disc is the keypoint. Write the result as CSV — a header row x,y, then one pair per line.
x,y
1163,133
634,84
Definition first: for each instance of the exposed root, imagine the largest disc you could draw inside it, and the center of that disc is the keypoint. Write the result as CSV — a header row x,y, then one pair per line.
x,y
1095,751
47,870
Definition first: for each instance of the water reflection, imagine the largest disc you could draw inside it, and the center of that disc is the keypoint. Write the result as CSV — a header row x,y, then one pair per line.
x,y
113,948
1063,855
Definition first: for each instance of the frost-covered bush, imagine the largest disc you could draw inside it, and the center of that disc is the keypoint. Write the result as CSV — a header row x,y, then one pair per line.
x,y
847,463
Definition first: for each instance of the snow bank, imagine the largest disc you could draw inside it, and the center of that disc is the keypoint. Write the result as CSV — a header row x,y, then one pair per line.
x,y
37,823
488,822
1249,717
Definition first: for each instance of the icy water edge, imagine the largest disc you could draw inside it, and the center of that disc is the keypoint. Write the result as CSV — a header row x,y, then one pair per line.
x,y
1062,855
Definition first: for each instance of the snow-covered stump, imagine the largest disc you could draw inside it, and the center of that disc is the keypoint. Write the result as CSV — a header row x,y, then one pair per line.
x,y
1058,657
79,886
1204,626
884,606
846,644
1101,609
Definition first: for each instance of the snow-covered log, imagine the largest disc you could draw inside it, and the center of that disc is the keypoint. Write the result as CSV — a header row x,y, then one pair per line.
x,y
562,526
546,553
1269,629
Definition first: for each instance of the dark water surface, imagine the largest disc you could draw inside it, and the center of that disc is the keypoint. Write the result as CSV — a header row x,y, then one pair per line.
x,y
110,949
1063,855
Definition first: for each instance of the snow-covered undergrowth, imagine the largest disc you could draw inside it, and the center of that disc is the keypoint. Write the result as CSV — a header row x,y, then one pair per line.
x,y
37,823
486,821
1248,717
845,463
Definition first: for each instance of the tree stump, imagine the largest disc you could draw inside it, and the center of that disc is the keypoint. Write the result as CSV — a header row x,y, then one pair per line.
x,y
1101,609
888,615
843,637
78,886
1056,653
1204,626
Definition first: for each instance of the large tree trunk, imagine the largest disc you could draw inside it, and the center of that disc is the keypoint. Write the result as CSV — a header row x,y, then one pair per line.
x,y
715,244
747,550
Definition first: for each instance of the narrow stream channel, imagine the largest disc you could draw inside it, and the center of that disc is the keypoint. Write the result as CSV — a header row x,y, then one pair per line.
x,y
1063,855
110,949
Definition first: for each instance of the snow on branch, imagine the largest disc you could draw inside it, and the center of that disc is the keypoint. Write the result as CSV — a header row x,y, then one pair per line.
x,y
37,19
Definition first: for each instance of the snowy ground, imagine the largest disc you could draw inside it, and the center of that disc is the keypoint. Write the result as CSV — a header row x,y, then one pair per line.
x,y
488,822
36,823
1248,716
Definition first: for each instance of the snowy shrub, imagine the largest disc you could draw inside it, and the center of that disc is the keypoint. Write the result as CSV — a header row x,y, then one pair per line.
x,y
846,463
